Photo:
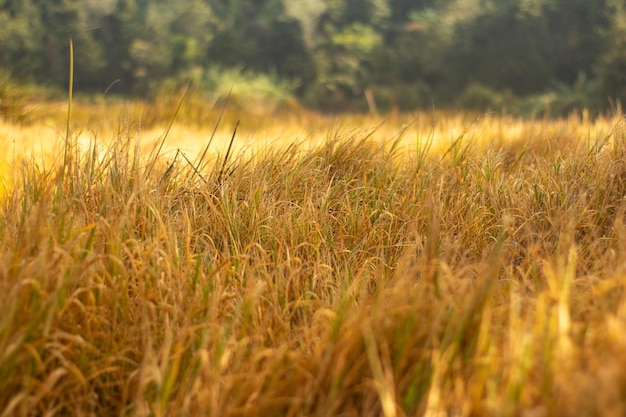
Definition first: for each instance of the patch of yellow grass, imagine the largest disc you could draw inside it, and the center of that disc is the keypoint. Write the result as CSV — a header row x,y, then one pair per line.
x,y
359,272
192,128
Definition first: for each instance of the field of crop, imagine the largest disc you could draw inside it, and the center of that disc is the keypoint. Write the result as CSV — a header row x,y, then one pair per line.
x,y
415,265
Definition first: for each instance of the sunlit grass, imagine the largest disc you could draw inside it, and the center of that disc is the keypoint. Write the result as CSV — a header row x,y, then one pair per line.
x,y
427,264
104,121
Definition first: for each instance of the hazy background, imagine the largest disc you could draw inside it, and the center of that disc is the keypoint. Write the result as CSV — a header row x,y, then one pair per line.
x,y
527,56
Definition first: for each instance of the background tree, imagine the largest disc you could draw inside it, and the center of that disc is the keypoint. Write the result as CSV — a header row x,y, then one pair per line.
x,y
612,64
59,20
349,50
259,36
20,38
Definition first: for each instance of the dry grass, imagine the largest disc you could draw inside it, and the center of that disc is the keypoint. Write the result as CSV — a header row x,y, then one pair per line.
x,y
368,275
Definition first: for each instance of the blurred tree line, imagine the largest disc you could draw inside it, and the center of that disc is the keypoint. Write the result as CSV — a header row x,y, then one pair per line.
x,y
332,54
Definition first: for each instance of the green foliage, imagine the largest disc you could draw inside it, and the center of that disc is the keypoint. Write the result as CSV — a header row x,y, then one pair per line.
x,y
332,50
248,90
261,37
346,60
559,101
612,67
21,35
403,97
479,97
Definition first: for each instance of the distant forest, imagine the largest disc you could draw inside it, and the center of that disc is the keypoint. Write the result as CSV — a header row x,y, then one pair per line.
x,y
331,54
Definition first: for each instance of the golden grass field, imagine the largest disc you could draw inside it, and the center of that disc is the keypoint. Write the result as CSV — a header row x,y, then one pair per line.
x,y
430,264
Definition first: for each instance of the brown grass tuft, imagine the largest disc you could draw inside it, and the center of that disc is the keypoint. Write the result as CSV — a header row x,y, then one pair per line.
x,y
357,277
